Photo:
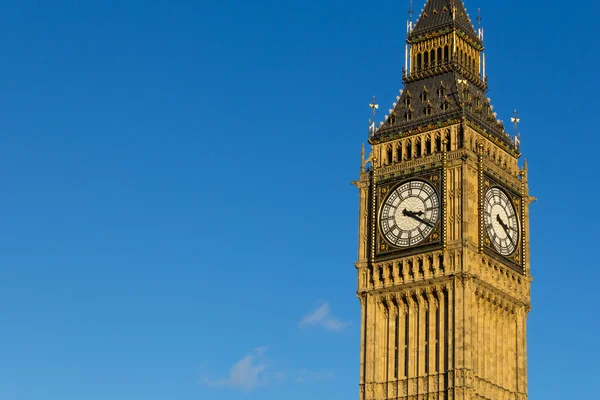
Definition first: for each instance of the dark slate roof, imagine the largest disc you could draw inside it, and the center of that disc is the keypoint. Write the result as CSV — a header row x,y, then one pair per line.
x,y
437,14
464,99
464,91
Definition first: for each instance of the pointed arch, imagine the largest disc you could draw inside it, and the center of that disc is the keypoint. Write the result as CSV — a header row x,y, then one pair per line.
x,y
425,95
389,155
399,151
408,100
428,145
442,91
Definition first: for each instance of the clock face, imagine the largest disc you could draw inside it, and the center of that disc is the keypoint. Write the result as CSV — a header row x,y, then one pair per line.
x,y
410,213
501,221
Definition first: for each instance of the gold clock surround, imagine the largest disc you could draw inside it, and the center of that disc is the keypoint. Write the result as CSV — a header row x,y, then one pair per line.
x,y
383,245
514,259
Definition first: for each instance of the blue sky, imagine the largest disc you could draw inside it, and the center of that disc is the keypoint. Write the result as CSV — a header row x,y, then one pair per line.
x,y
176,209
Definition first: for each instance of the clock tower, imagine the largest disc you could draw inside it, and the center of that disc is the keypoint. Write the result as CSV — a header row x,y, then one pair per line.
x,y
443,250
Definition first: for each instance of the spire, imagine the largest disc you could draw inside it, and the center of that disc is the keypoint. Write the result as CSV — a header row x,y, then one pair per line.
x,y
441,14
445,81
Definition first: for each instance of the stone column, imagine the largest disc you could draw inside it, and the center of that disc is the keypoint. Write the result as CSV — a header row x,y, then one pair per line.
x,y
392,376
380,347
370,347
423,307
363,321
412,345
480,336
443,333
432,371
450,307
521,352
385,354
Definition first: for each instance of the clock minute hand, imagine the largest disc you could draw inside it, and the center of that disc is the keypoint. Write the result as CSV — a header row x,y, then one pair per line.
x,y
416,217
505,227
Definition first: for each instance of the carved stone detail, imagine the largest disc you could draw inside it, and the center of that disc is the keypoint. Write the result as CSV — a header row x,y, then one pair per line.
x,y
479,299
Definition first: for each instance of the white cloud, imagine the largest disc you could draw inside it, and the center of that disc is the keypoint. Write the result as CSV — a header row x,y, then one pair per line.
x,y
321,316
247,374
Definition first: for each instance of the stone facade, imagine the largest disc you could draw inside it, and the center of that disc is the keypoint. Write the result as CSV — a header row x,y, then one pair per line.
x,y
446,318
448,321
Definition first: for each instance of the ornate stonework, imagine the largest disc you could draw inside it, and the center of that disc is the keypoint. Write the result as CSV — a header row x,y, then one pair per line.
x,y
445,318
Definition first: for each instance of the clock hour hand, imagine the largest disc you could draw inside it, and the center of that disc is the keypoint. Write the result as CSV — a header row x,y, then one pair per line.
x,y
505,227
416,216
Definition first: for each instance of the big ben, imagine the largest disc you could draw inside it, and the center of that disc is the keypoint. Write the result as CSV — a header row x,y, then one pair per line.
x,y
443,250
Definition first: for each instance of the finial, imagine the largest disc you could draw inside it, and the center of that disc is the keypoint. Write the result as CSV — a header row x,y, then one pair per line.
x,y
483,75
515,120
479,30
374,106
453,7
409,26
362,159
523,172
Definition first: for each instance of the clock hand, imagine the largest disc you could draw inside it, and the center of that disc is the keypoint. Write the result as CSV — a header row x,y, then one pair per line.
x,y
505,227
416,213
415,216
501,222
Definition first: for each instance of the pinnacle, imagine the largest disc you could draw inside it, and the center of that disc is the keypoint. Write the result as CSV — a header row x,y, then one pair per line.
x,y
438,14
